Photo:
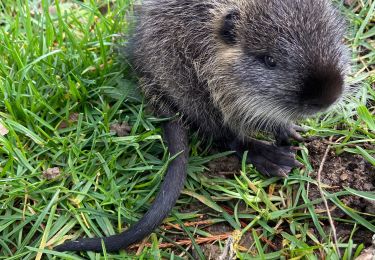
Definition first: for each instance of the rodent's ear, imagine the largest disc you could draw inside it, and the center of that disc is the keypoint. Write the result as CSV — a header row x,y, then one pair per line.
x,y
228,27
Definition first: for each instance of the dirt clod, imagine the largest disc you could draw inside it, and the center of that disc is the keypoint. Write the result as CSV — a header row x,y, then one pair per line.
x,y
344,176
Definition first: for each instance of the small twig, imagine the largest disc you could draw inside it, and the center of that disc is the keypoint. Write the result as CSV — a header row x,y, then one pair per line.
x,y
142,246
185,242
269,243
325,200
168,225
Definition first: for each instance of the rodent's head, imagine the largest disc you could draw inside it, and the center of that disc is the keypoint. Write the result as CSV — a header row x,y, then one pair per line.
x,y
280,61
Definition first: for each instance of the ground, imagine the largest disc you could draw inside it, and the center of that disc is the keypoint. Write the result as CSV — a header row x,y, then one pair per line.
x,y
80,154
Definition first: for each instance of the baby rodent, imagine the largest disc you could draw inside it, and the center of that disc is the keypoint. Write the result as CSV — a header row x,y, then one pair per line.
x,y
231,68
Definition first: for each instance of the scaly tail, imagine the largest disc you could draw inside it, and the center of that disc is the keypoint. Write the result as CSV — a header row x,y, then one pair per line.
x,y
176,136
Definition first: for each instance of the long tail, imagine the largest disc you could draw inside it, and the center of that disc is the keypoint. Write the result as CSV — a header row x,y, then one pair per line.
x,y
170,189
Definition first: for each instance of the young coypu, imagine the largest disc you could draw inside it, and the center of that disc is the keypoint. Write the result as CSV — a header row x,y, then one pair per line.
x,y
231,68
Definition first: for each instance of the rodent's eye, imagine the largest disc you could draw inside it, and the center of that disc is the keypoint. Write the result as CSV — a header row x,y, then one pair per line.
x,y
269,61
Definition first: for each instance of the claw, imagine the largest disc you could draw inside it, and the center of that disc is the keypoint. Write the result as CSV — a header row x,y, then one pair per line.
x,y
296,148
295,135
290,132
299,128
283,174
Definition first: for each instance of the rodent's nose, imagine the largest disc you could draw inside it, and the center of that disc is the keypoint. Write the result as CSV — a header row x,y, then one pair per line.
x,y
322,89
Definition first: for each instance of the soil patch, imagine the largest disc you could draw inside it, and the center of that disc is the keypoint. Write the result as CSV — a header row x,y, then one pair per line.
x,y
345,170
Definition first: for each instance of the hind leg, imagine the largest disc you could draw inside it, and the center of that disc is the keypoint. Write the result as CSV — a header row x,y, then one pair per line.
x,y
269,159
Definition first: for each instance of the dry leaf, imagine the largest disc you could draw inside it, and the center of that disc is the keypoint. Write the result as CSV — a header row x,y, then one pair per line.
x,y
121,129
74,117
51,173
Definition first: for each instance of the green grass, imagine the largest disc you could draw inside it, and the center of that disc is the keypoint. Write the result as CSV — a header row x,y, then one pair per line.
x,y
63,84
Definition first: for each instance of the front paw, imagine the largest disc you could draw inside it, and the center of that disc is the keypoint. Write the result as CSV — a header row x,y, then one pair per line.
x,y
272,160
284,134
